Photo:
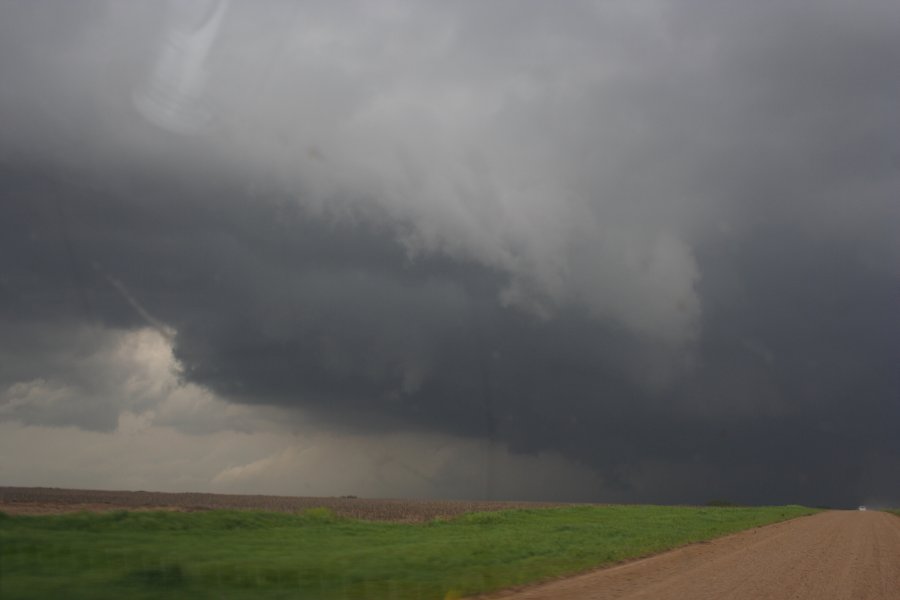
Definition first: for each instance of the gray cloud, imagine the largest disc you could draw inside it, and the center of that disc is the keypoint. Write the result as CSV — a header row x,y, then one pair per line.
x,y
656,238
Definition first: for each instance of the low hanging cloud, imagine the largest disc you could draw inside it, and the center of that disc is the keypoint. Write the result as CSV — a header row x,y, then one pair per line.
x,y
652,240
105,379
168,434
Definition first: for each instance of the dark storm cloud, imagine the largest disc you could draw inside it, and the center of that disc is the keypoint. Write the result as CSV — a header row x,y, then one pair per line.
x,y
657,238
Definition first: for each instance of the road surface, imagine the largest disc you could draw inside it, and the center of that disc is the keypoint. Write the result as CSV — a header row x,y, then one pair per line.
x,y
846,555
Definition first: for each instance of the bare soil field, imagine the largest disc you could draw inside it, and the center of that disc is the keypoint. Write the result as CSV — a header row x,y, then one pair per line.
x,y
831,555
36,501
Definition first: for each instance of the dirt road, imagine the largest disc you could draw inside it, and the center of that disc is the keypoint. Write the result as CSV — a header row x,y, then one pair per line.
x,y
847,555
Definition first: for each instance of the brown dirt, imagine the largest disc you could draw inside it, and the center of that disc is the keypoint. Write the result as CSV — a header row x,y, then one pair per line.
x,y
38,501
847,555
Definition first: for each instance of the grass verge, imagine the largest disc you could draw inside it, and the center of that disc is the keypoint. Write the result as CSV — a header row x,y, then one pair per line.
x,y
244,554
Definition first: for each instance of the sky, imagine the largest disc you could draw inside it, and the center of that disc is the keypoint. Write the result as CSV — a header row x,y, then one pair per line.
x,y
603,251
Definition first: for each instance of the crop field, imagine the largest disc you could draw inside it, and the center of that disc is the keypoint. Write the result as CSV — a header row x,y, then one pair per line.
x,y
36,501
319,554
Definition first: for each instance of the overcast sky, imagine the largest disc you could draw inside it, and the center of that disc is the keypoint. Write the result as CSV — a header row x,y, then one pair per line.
x,y
596,251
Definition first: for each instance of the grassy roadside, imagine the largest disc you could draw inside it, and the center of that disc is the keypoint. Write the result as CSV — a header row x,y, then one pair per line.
x,y
238,554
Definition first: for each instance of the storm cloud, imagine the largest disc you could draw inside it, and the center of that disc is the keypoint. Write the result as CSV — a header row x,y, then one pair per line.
x,y
649,246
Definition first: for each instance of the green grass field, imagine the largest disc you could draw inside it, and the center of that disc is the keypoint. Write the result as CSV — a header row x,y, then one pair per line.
x,y
236,554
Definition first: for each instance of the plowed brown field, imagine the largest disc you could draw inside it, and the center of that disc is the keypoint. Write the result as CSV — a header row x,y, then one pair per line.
x,y
846,555
21,500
